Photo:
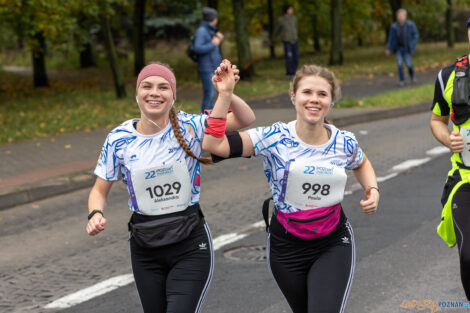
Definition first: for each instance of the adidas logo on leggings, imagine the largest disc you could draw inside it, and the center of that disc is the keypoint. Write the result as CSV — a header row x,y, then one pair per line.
x,y
203,246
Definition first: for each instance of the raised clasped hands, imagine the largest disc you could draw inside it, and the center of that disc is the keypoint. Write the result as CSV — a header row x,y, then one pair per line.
x,y
225,77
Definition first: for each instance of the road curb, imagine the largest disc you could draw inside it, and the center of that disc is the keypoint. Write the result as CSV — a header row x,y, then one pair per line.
x,y
380,114
10,197
13,196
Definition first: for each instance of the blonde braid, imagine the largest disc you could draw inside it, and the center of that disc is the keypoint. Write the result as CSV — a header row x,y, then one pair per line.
x,y
181,141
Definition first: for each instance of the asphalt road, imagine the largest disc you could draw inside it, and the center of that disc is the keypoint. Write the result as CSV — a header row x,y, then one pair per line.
x,y
399,255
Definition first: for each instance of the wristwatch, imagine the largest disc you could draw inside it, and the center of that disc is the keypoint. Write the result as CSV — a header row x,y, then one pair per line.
x,y
94,212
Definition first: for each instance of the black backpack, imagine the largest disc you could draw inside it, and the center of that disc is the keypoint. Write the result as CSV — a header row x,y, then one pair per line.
x,y
190,51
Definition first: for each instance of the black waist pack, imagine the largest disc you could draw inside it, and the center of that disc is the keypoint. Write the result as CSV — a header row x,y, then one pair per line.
x,y
158,231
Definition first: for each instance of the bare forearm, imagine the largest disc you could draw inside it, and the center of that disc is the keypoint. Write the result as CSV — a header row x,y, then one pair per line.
x,y
98,195
221,105
365,174
96,201
440,132
241,116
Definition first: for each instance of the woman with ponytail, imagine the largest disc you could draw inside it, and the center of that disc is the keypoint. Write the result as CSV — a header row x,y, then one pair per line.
x,y
310,247
159,158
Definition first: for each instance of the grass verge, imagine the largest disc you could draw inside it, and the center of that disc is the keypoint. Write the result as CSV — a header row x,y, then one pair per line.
x,y
402,97
64,108
84,99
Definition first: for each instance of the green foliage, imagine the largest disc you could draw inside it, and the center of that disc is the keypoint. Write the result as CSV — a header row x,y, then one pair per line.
x,y
396,98
78,104
52,18
430,22
172,19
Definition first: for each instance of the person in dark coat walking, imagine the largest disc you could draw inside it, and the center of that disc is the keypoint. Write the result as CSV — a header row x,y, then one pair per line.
x,y
402,39
206,45
286,28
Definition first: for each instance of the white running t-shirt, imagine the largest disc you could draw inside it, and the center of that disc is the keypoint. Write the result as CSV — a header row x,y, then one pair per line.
x,y
126,148
281,147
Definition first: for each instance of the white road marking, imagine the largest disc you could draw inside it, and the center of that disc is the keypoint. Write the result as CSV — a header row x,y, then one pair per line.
x,y
219,242
409,164
224,240
91,292
390,176
123,280
438,151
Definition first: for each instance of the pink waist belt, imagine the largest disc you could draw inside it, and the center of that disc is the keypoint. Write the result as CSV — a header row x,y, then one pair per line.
x,y
310,224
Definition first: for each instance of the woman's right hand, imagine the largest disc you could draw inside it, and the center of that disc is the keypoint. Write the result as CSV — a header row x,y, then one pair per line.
x,y
95,224
456,142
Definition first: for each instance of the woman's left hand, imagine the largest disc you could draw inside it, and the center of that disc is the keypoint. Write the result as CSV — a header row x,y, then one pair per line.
x,y
369,206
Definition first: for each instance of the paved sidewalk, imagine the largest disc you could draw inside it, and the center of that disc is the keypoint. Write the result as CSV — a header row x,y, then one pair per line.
x,y
40,168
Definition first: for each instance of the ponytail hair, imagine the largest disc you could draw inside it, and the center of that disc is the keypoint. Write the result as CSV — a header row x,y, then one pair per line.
x,y
180,138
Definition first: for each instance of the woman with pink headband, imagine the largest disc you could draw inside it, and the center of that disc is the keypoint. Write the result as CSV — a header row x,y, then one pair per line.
x,y
159,158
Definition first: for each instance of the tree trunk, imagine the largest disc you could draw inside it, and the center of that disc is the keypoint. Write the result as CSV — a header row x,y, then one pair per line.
x,y
213,4
360,42
86,51
39,63
387,31
395,5
272,51
316,37
449,26
86,56
336,53
139,42
243,41
113,59
19,36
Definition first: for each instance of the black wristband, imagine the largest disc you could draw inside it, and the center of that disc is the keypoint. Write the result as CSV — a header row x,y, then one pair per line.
x,y
94,212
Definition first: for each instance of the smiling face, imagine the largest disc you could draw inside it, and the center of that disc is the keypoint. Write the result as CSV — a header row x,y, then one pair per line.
x,y
155,96
312,99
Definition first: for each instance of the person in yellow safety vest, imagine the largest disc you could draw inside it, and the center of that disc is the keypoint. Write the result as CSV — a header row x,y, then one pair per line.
x,y
452,101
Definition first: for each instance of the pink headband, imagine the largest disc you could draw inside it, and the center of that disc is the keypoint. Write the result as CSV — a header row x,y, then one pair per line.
x,y
157,70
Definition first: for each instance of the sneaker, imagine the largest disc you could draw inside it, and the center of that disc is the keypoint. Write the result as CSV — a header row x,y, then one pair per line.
x,y
413,80
401,83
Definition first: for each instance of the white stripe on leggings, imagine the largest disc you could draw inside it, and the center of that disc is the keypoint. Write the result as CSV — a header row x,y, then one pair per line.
x,y
353,265
268,259
211,272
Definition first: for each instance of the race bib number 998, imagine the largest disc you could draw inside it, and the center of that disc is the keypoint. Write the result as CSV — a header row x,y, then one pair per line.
x,y
313,186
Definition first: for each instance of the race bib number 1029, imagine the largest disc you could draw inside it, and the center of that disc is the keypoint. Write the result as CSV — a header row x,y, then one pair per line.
x,y
161,190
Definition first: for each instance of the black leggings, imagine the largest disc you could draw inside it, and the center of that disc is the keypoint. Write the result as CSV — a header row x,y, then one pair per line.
x,y
314,275
174,278
461,217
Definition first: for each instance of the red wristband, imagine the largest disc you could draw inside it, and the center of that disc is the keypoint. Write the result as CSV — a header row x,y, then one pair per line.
x,y
215,126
